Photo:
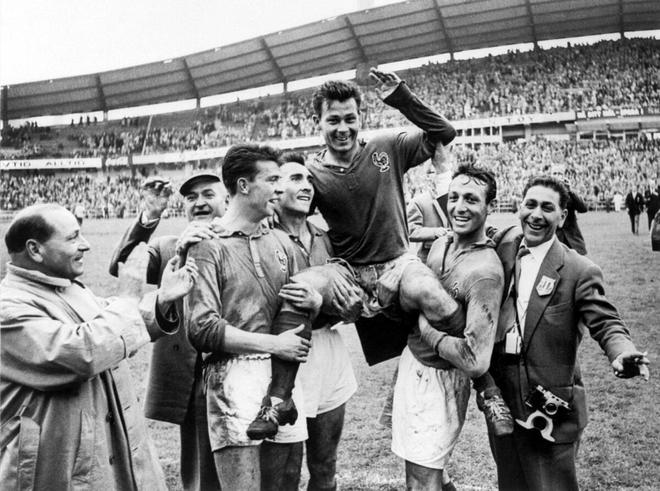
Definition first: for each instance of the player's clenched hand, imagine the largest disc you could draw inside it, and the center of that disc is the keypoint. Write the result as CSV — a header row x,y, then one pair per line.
x,y
132,274
387,82
176,281
291,347
156,192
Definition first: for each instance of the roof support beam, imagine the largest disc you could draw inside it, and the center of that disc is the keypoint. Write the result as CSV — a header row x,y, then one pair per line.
x,y
191,81
622,30
363,54
100,94
532,24
273,60
443,28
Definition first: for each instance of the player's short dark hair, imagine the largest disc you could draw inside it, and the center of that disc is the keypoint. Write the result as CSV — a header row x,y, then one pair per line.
x,y
241,162
296,157
552,183
29,223
482,176
335,90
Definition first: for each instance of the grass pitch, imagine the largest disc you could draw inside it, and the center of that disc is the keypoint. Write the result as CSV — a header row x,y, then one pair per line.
x,y
619,447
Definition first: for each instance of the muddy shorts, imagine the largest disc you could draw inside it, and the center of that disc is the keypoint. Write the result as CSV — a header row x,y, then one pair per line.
x,y
235,388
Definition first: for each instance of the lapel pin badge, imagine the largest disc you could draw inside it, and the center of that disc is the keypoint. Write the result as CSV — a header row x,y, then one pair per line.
x,y
545,286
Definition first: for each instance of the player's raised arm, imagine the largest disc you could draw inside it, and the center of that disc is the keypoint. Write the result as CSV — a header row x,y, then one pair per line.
x,y
394,92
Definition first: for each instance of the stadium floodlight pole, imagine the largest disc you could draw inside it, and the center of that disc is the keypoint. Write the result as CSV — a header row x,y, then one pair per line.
x,y
144,143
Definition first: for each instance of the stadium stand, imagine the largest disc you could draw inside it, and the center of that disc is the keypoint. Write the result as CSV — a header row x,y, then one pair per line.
x,y
598,170
622,74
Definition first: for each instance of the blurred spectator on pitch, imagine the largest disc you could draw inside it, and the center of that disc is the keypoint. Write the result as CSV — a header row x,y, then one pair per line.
x,y
635,205
569,233
79,212
652,201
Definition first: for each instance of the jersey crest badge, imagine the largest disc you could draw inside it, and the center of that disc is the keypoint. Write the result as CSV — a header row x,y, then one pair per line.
x,y
282,259
381,160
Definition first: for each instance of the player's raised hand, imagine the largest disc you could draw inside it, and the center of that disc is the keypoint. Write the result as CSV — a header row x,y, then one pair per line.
x,y
156,192
386,82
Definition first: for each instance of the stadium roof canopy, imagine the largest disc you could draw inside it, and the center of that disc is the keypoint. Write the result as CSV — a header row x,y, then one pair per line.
x,y
396,32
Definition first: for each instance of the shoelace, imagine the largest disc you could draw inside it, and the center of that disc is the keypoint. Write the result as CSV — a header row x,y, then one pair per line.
x,y
268,413
497,407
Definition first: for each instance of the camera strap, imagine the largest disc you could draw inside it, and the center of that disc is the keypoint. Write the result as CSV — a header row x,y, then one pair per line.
x,y
523,348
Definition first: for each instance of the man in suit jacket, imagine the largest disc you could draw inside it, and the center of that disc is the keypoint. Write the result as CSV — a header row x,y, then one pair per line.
x,y
652,200
173,392
427,220
551,289
634,205
427,211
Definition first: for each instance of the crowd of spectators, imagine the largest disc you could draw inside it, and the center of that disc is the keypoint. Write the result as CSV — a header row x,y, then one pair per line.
x,y
598,171
101,196
609,74
25,141
605,75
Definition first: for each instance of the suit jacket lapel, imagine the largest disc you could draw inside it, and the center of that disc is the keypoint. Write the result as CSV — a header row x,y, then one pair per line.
x,y
553,261
508,259
440,210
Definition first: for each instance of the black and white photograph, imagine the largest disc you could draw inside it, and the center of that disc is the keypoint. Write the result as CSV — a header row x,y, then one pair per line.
x,y
349,245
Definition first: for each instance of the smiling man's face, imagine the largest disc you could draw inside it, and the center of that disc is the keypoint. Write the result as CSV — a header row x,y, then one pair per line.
x,y
339,124
62,254
205,200
540,214
298,189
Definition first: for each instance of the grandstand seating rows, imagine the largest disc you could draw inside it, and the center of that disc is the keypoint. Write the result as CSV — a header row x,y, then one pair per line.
x,y
598,170
609,74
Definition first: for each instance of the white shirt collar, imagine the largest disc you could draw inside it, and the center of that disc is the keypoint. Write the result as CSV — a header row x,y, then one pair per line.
x,y
540,251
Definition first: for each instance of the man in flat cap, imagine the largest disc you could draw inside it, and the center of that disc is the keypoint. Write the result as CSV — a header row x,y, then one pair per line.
x,y
173,391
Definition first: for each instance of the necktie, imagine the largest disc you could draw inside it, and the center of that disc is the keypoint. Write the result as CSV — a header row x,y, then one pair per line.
x,y
522,252
522,309
508,309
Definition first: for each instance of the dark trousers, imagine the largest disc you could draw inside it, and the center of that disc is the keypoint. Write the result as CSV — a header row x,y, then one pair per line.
x,y
197,465
527,462
324,435
634,223
281,462
280,466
